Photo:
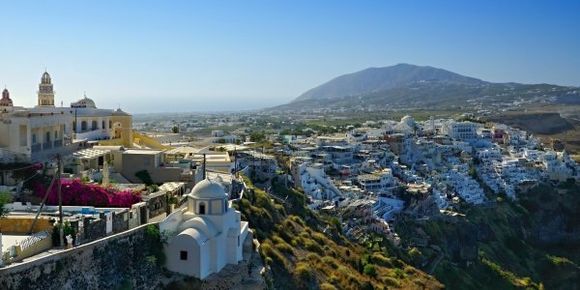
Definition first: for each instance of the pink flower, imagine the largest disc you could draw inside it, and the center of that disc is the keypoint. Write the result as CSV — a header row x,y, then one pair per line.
x,y
74,192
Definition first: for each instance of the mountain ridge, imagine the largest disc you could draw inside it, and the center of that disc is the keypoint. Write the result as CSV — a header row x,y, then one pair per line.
x,y
405,86
374,79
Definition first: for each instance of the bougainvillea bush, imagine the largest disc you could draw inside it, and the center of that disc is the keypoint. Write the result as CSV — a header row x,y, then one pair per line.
x,y
77,193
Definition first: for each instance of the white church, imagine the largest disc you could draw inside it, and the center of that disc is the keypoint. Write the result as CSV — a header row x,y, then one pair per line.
x,y
205,234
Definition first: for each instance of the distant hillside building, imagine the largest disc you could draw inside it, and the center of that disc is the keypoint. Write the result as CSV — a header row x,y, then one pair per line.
x,y
461,130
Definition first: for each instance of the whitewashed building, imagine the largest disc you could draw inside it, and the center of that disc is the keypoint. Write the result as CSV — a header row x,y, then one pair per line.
x,y
205,234
461,130
377,182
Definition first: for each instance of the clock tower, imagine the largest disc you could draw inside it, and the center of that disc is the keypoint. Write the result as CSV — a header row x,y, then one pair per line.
x,y
45,91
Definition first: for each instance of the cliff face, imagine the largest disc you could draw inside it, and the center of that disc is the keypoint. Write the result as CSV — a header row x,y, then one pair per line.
x,y
554,218
130,259
529,243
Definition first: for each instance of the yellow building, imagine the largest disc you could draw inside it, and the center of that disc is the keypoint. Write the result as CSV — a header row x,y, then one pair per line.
x,y
39,133
32,134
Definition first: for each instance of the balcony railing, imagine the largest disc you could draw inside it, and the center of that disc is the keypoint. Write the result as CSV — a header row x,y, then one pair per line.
x,y
46,145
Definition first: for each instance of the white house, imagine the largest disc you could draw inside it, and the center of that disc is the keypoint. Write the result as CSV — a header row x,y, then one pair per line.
x,y
316,183
386,207
205,234
377,182
461,130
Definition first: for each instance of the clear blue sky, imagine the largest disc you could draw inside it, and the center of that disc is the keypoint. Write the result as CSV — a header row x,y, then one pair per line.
x,y
160,56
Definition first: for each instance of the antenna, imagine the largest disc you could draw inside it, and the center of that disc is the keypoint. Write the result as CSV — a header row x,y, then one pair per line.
x,y
59,193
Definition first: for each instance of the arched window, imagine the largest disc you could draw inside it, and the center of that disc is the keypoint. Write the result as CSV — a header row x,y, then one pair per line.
x,y
94,126
83,125
47,137
110,124
103,125
201,208
33,138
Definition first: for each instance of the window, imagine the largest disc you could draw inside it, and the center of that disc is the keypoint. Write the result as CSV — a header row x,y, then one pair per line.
x,y
103,125
110,124
94,125
202,208
83,125
183,255
33,138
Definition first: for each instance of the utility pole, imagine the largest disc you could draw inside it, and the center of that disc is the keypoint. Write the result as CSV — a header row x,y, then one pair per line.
x,y
204,172
235,161
59,191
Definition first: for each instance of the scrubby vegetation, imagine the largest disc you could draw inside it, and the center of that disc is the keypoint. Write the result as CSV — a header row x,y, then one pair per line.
x,y
307,251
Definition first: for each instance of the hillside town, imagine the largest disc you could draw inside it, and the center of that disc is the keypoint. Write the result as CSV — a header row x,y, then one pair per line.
x,y
78,174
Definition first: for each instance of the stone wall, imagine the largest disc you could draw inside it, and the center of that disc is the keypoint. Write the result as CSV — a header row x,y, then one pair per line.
x,y
94,228
123,260
120,222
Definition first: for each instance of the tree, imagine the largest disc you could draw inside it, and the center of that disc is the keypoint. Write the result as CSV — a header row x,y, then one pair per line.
x,y
257,136
5,198
175,129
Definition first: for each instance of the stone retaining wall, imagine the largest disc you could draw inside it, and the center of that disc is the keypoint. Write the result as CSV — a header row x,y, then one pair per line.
x,y
119,260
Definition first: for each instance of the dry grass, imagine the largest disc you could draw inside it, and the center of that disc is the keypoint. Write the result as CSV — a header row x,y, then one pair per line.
x,y
302,257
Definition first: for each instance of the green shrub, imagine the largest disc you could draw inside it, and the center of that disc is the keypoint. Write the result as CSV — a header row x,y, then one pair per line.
x,y
303,271
370,270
